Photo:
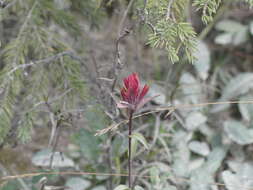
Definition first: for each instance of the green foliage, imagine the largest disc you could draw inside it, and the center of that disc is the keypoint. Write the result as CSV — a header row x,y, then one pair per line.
x,y
25,79
89,144
62,16
197,143
170,31
250,2
174,37
140,138
12,185
208,7
121,187
25,126
91,10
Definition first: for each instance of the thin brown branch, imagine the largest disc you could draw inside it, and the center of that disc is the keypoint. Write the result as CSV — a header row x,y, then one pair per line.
x,y
117,63
169,9
123,19
130,150
47,60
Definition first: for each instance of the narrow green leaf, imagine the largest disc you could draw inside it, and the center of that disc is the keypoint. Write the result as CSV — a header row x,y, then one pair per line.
x,y
138,188
154,173
121,187
139,137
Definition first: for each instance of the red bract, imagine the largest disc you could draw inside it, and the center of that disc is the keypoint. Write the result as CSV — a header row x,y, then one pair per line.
x,y
132,94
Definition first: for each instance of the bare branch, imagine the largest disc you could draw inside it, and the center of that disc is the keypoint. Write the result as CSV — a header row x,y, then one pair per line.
x,y
48,60
169,9
124,17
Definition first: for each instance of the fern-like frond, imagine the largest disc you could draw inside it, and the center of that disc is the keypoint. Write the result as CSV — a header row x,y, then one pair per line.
x,y
208,7
173,37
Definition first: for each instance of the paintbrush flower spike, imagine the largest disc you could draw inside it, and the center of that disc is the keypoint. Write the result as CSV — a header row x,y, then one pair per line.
x,y
132,94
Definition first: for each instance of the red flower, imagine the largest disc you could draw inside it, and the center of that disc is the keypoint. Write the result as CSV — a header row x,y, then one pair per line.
x,y
132,94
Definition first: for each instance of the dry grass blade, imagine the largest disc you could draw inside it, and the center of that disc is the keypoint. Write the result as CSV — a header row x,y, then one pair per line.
x,y
3,180
111,127
170,109
170,112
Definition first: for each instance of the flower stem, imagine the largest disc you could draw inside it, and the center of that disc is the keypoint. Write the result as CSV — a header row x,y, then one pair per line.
x,y
130,149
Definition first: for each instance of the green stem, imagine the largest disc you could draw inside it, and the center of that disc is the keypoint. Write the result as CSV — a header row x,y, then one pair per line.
x,y
130,149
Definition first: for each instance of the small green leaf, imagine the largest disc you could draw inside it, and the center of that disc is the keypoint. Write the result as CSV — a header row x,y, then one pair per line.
x,y
194,120
200,148
235,33
238,85
138,188
43,159
139,137
232,181
224,38
78,183
246,110
191,88
237,132
203,176
202,63
121,187
239,178
229,26
215,159
241,37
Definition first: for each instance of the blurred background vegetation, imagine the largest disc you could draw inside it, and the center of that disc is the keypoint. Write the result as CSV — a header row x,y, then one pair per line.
x,y
61,65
